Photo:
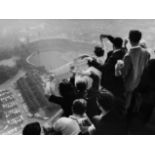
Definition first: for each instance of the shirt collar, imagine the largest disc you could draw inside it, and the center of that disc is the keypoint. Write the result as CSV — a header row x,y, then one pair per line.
x,y
135,47
116,50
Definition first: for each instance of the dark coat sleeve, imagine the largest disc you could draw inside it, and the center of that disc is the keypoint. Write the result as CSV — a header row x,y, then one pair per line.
x,y
56,99
95,64
110,38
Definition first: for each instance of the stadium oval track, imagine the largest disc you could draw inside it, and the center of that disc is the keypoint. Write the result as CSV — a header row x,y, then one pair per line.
x,y
61,51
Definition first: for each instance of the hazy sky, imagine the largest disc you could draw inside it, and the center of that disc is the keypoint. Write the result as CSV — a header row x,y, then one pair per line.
x,y
86,30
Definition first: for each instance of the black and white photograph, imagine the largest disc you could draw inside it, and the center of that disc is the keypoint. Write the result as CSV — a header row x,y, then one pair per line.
x,y
77,76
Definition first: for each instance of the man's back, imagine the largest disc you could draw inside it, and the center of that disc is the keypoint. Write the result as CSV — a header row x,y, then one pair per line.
x,y
135,62
147,83
109,80
111,124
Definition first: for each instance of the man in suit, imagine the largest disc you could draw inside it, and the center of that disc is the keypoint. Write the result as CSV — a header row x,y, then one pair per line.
x,y
134,63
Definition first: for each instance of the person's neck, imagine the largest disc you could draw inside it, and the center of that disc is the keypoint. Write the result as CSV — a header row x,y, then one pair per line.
x,y
78,115
134,45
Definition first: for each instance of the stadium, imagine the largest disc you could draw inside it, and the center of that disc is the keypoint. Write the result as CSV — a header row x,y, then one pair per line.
x,y
53,48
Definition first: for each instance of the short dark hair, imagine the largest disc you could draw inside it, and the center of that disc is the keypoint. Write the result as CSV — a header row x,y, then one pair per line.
x,y
135,36
81,86
98,51
79,106
118,42
106,100
32,129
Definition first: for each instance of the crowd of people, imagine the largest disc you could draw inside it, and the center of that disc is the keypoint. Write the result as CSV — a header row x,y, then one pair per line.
x,y
113,96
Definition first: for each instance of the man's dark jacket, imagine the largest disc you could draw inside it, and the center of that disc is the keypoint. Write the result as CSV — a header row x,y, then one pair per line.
x,y
109,80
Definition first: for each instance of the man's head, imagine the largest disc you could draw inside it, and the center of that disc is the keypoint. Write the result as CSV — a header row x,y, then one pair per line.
x,y
117,42
79,106
135,37
98,51
81,83
32,129
105,100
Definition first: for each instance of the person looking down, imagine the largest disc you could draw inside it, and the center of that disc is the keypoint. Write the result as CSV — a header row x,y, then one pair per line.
x,y
79,109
